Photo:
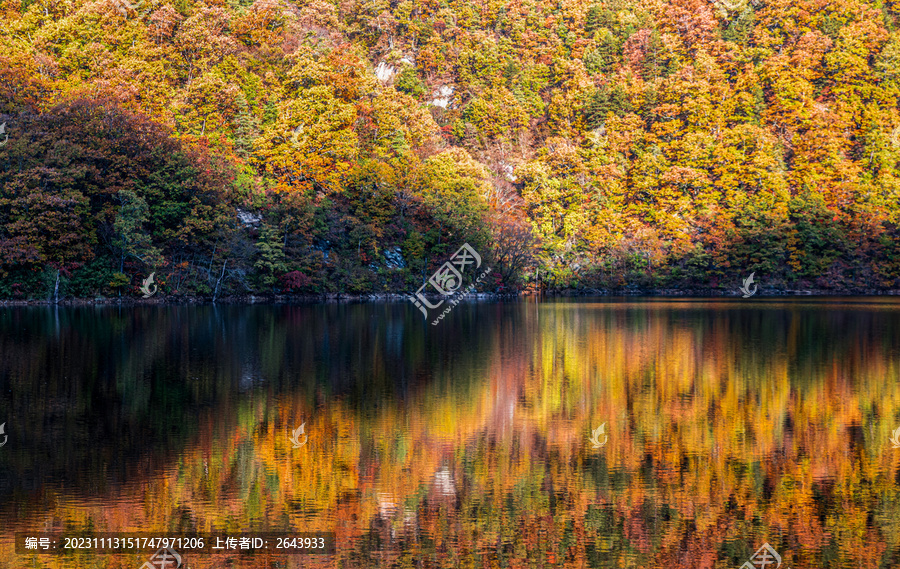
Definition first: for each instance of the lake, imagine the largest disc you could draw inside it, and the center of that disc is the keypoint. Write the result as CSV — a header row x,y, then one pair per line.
x,y
613,432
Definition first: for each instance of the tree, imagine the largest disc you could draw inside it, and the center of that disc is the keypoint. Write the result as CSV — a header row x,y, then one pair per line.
x,y
270,256
131,237
455,187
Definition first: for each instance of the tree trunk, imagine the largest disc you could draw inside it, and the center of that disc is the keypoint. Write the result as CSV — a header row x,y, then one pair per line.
x,y
211,259
216,293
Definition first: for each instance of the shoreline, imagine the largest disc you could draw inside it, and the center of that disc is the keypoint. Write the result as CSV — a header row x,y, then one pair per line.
x,y
395,297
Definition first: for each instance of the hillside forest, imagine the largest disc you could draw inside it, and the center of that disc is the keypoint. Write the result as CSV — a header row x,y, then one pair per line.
x,y
314,147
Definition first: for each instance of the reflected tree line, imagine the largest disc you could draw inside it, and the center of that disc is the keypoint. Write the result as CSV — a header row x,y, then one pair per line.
x,y
465,444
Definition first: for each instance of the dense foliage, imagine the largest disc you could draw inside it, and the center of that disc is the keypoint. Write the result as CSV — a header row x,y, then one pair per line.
x,y
353,146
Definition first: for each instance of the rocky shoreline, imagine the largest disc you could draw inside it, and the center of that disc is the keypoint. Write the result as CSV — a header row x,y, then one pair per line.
x,y
395,297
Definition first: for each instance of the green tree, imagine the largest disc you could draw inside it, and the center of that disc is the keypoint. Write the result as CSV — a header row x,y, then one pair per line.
x,y
270,262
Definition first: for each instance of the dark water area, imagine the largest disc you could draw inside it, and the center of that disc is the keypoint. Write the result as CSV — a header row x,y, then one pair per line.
x,y
630,432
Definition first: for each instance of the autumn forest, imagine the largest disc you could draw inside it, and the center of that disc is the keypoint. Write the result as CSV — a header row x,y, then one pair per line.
x,y
315,147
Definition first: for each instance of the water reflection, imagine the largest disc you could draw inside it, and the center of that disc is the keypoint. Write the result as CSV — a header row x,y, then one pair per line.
x,y
728,424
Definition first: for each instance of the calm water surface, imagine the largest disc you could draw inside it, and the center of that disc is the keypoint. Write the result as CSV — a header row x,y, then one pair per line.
x,y
726,424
